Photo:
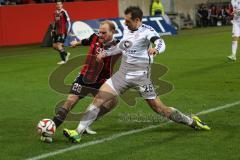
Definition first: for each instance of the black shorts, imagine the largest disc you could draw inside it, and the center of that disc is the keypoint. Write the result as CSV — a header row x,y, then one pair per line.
x,y
80,88
59,38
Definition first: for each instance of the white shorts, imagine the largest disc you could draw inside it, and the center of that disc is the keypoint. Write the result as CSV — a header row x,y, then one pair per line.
x,y
236,29
121,82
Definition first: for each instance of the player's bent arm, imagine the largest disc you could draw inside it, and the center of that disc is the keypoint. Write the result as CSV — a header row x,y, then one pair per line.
x,y
159,46
84,42
115,50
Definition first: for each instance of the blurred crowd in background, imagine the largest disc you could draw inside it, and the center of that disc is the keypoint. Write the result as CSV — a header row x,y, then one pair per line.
x,y
214,15
14,2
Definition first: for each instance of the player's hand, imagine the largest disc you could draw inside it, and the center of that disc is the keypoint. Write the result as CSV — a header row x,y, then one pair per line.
x,y
152,51
52,33
100,56
74,43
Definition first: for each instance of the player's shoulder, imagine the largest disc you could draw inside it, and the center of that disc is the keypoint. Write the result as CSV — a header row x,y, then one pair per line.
x,y
234,1
115,41
147,28
64,11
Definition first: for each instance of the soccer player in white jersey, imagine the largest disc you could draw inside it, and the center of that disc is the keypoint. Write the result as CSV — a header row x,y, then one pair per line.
x,y
235,29
134,72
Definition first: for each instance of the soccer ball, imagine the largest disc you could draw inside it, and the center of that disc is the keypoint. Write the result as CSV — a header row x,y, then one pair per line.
x,y
46,127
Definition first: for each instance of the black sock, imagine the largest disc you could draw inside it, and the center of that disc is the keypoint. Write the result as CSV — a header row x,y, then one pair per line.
x,y
63,54
61,114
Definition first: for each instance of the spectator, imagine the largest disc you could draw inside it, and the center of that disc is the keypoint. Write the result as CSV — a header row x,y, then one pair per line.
x,y
213,15
200,16
2,2
157,8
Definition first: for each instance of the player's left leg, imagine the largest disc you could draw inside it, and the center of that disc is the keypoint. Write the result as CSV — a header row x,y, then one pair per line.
x,y
105,94
63,54
75,135
175,115
235,35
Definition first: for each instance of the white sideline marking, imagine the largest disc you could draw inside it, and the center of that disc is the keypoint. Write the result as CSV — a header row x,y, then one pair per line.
x,y
115,136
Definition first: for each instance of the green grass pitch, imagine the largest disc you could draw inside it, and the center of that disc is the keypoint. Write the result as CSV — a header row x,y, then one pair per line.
x,y
202,76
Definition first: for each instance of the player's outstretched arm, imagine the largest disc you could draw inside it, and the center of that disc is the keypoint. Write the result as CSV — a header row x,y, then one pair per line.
x,y
75,43
110,52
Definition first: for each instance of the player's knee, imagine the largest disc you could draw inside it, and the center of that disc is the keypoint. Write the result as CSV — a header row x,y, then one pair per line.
x,y
111,104
234,38
99,100
54,46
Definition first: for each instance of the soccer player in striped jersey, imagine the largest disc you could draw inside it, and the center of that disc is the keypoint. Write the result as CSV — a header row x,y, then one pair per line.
x,y
60,28
235,28
134,72
92,75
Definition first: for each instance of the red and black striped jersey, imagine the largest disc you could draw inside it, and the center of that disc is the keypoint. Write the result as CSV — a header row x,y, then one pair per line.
x,y
62,22
98,72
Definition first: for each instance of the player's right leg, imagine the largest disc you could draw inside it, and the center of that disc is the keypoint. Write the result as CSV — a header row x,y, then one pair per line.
x,y
105,94
235,35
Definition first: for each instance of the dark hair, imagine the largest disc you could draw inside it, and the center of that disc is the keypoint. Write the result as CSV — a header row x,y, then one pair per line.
x,y
135,12
58,1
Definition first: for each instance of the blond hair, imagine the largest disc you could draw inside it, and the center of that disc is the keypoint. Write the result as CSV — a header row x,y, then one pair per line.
x,y
109,23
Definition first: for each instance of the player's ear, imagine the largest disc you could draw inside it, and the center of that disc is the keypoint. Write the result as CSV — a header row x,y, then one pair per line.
x,y
137,20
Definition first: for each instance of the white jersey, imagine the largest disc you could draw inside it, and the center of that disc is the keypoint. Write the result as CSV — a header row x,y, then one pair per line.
x,y
135,44
134,48
236,10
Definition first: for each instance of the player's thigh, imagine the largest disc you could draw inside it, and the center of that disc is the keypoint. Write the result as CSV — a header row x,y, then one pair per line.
x,y
59,45
145,87
80,89
118,83
105,94
235,30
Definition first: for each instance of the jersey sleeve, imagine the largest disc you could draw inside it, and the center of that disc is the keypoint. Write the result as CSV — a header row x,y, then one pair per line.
x,y
53,24
151,33
87,41
68,21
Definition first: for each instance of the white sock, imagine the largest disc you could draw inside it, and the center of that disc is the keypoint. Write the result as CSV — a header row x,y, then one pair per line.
x,y
234,48
88,118
179,117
